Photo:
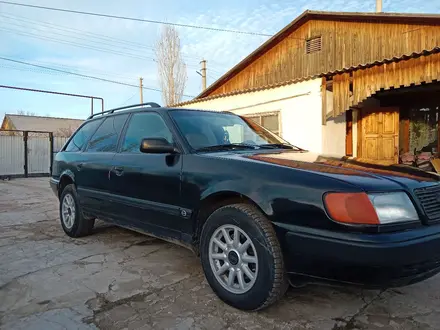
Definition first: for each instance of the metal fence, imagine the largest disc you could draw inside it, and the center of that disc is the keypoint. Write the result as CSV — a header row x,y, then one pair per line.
x,y
28,153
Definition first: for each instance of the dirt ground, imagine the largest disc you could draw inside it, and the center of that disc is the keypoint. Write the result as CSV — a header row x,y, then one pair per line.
x,y
117,279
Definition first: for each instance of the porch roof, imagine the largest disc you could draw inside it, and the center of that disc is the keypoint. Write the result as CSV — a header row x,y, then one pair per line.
x,y
352,86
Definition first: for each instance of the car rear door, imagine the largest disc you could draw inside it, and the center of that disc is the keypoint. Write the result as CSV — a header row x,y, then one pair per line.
x,y
73,156
147,186
94,180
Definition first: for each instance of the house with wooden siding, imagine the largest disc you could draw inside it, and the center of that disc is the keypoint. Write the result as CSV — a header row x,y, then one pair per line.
x,y
364,85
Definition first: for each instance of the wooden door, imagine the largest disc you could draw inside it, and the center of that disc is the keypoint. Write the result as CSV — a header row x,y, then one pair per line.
x,y
380,135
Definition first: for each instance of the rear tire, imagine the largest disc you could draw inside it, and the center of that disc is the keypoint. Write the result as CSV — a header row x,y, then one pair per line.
x,y
73,221
245,270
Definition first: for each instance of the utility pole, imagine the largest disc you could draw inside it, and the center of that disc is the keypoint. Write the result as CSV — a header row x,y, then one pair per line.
x,y
203,74
378,6
141,88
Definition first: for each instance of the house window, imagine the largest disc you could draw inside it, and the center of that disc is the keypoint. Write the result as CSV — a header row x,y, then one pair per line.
x,y
313,45
271,121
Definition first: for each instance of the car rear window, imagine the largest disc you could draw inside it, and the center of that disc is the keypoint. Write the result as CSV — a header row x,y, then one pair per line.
x,y
82,136
106,137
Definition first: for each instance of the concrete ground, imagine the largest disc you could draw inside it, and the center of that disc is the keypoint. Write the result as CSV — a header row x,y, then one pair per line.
x,y
117,279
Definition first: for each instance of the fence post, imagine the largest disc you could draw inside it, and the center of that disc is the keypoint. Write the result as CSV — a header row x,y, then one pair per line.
x,y
51,151
25,139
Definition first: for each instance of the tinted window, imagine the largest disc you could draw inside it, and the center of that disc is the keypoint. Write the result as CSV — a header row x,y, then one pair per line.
x,y
106,137
145,125
82,135
203,129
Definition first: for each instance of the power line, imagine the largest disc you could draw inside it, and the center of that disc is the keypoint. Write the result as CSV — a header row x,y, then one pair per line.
x,y
82,45
107,38
37,70
104,39
123,103
34,70
135,19
83,75
73,30
76,44
85,34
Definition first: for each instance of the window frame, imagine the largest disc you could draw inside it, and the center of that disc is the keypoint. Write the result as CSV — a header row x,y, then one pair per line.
x,y
265,114
176,141
85,149
87,140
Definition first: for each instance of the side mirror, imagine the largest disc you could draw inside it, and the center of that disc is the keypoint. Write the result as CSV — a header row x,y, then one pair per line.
x,y
157,146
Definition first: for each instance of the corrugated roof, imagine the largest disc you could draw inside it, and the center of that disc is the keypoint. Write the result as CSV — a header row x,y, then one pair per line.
x,y
47,124
425,52
425,19
330,73
244,91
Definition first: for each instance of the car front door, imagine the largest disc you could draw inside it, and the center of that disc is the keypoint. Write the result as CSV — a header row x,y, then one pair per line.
x,y
147,186
94,180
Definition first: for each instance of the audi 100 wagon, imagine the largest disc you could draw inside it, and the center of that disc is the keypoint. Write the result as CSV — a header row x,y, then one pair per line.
x,y
261,213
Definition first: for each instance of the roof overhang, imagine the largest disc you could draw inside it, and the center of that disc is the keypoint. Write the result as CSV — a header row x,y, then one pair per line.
x,y
425,19
323,74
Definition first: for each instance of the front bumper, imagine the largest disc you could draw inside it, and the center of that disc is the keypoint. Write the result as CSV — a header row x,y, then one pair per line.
x,y
374,260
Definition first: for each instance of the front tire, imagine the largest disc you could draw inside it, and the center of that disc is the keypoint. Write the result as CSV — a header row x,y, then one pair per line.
x,y
74,223
242,258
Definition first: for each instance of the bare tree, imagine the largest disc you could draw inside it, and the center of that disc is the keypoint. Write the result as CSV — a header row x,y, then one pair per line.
x,y
170,65
65,132
25,113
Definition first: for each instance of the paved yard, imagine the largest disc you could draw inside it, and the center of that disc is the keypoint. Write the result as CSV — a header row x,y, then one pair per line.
x,y
116,279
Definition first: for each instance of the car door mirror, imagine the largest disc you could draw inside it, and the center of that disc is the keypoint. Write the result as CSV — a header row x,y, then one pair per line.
x,y
157,146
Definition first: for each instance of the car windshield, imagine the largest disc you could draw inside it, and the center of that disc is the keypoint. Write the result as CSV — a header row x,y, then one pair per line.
x,y
214,130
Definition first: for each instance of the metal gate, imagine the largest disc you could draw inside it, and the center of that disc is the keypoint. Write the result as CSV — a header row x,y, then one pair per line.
x,y
28,153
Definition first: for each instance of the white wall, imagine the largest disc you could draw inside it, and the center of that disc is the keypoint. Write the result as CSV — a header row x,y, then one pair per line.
x,y
333,133
333,136
299,105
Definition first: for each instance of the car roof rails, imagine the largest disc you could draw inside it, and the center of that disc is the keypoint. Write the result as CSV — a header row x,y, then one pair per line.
x,y
151,104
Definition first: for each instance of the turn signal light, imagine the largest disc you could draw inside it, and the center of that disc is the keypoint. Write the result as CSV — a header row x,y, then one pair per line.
x,y
351,208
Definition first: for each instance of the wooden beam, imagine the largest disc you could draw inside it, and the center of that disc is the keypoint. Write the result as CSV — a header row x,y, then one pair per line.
x,y
438,136
359,134
349,133
324,100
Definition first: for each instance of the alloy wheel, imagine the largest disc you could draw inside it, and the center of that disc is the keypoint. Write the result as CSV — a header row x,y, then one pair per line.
x,y
233,259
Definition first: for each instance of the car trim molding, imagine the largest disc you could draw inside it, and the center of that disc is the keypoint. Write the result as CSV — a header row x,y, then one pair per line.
x,y
136,202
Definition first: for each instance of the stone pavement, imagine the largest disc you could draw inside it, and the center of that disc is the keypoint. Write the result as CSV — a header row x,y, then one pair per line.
x,y
117,279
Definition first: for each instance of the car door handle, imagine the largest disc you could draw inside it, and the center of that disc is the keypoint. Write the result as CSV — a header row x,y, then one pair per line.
x,y
79,166
119,171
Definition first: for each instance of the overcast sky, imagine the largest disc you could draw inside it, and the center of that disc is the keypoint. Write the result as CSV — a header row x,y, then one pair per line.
x,y
81,44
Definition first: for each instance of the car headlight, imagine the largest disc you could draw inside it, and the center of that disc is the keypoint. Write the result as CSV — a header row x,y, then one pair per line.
x,y
370,209
393,207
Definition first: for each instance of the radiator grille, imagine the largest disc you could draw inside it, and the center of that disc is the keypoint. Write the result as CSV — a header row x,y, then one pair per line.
x,y
429,198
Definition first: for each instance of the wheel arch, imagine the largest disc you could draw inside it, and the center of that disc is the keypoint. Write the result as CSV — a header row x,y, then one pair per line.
x,y
218,199
66,178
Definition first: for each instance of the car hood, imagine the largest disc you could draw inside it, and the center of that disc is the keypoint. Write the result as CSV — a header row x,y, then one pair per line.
x,y
367,175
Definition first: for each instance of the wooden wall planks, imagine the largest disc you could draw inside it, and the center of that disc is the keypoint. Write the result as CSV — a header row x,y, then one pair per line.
x,y
344,44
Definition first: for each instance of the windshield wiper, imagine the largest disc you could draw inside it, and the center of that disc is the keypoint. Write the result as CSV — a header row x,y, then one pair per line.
x,y
229,146
277,145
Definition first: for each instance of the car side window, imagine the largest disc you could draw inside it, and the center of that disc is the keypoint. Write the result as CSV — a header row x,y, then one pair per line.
x,y
145,125
82,136
106,137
